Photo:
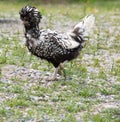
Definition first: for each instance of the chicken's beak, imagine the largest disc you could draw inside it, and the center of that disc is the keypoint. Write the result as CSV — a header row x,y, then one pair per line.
x,y
25,22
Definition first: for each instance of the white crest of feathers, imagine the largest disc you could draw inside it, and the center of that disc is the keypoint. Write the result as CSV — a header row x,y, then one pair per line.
x,y
36,12
28,8
32,8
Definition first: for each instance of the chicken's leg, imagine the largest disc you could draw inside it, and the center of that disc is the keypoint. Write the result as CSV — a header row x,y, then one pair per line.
x,y
54,76
61,68
58,70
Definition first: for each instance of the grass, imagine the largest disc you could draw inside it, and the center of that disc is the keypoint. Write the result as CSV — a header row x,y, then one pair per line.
x,y
93,79
107,116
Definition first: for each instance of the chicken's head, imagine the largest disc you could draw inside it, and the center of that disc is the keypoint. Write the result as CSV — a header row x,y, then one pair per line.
x,y
30,15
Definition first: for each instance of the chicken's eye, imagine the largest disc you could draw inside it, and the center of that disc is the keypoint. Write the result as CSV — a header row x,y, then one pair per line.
x,y
24,18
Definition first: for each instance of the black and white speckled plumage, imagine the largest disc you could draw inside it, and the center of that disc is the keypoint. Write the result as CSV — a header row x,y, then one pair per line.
x,y
50,45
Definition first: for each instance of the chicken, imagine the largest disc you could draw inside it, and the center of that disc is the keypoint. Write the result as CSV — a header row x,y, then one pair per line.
x,y
52,46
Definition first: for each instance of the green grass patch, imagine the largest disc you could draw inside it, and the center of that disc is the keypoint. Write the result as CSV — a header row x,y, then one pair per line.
x,y
108,115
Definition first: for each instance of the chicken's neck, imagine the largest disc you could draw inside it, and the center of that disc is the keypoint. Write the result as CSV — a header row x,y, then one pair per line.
x,y
33,30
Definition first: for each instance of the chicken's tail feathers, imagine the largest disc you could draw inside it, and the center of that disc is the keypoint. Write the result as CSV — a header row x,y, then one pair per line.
x,y
84,28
